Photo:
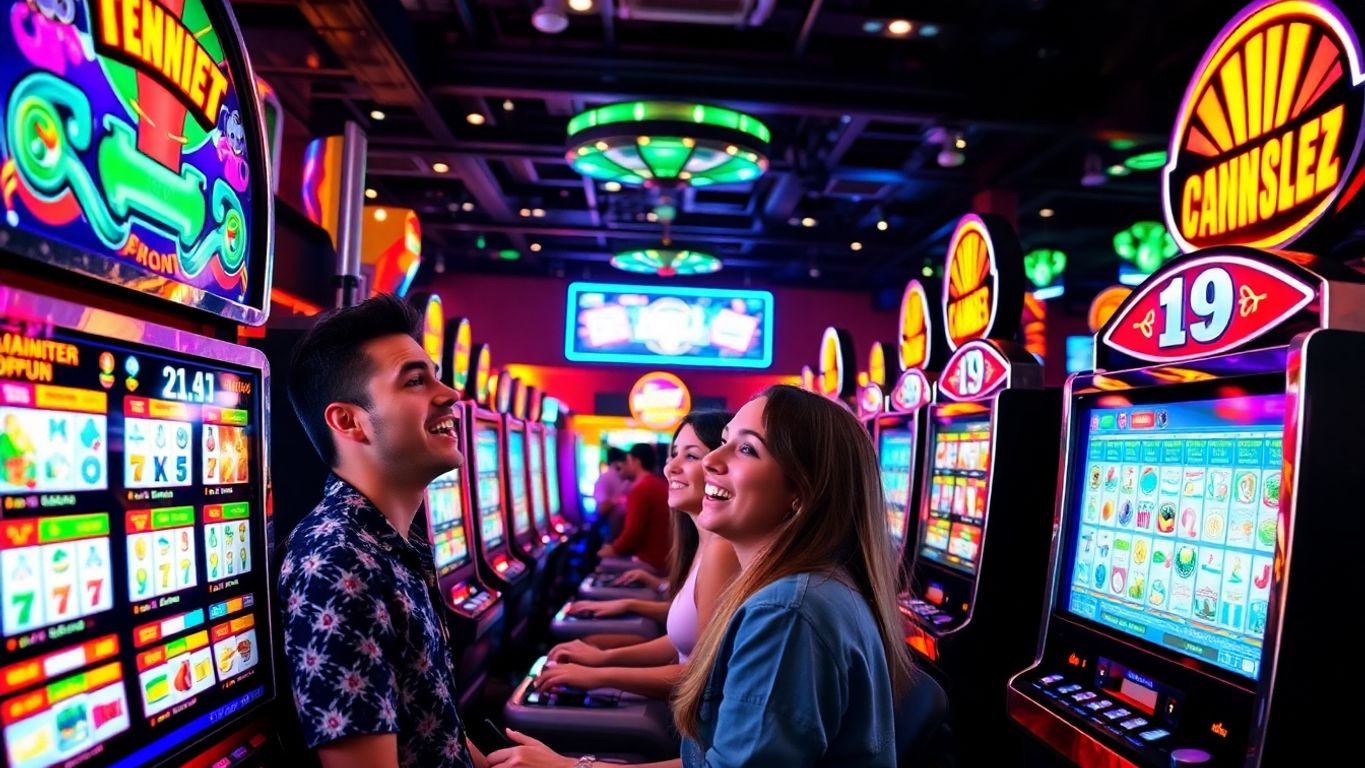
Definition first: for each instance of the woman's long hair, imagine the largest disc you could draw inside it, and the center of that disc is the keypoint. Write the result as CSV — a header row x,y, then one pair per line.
x,y
709,425
839,528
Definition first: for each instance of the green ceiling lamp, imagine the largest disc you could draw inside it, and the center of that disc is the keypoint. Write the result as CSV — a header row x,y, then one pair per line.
x,y
1044,268
668,144
666,262
1143,248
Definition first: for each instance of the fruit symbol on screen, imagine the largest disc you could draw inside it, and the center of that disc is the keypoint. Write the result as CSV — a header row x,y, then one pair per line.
x,y
1213,525
61,561
239,441
1149,480
163,546
183,681
160,439
226,656
1095,478
1138,589
1235,575
1218,484
1165,518
213,536
1100,572
1118,579
1265,532
202,669
227,534
244,649
182,438
1111,478
1270,490
1246,487
1262,579
1107,511
1158,594
16,455
242,468
1126,513
213,565
1187,522
73,726
103,713
1185,559
241,556
1129,479
106,376
210,441
1144,514
185,540
157,689
1139,551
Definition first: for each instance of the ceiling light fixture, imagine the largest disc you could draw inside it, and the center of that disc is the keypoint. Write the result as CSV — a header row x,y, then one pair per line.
x,y
524,212
855,246
380,214
654,143
535,247
883,225
475,118
899,27
550,17
666,262
507,105
371,194
538,213
612,186
808,222
466,206
1046,213
440,167
581,6
377,114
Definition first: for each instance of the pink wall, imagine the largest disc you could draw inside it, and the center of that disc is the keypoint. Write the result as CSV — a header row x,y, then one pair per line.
x,y
523,319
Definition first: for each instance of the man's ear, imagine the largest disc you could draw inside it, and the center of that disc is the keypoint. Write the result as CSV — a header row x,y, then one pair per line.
x,y
347,422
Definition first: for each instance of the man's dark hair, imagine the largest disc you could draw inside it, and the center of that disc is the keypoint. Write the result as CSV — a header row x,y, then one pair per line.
x,y
645,453
330,364
615,454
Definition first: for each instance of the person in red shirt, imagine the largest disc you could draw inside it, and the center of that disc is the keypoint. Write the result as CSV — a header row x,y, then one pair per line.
x,y
648,532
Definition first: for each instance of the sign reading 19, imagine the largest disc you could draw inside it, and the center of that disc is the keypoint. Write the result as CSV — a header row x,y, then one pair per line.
x,y
1211,297
971,373
200,389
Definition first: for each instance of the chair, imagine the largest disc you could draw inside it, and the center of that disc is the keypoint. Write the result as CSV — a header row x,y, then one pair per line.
x,y
920,717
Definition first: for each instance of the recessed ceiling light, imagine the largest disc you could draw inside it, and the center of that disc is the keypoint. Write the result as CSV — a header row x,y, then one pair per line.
x,y
882,225
475,118
899,27
539,213
928,30
524,212
612,186
808,222
651,216
873,26
1046,213
377,114
440,167
960,142
855,246
582,6
535,247
507,105
466,206
380,214
371,194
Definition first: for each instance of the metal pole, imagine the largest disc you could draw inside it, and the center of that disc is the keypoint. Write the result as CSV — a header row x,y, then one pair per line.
x,y
350,207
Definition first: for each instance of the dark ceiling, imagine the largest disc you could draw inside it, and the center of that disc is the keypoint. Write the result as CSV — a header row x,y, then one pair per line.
x,y
1040,90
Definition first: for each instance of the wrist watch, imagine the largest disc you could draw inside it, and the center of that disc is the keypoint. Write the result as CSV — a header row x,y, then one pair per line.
x,y
586,761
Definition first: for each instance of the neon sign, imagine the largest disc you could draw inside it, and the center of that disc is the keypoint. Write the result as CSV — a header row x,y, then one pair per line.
x,y
458,350
983,280
660,400
914,348
482,355
1106,303
433,324
1206,305
836,377
976,371
133,150
870,400
1268,135
912,391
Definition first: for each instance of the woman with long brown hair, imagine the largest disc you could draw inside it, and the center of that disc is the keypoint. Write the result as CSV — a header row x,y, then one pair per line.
x,y
803,660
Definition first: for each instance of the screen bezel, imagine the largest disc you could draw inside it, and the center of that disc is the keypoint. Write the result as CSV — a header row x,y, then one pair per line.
x,y
1081,405
41,311
940,415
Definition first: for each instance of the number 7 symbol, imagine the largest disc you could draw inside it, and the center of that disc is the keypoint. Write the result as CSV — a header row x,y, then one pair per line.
x,y
63,596
94,587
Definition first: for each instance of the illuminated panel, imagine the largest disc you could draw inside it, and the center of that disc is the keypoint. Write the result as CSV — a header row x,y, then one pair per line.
x,y
955,511
445,516
895,453
721,328
516,480
489,485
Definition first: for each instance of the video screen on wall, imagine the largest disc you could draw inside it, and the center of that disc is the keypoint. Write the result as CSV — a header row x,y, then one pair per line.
x,y
723,328
955,510
1178,508
489,488
896,452
133,587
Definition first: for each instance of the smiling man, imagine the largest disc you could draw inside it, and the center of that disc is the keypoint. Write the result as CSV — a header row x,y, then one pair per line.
x,y
367,648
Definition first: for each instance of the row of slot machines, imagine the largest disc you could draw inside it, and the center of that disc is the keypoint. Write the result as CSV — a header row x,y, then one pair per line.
x,y
1145,568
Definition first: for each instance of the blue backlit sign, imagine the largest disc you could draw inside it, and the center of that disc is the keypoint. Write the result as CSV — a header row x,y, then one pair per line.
x,y
658,325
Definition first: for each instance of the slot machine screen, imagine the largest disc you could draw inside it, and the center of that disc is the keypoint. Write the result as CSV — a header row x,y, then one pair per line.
x,y
537,484
445,515
552,468
516,477
895,451
133,584
1173,533
490,488
955,508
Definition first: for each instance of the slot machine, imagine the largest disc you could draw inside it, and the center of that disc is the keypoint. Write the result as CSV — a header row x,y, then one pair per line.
x,y
535,470
476,610
1212,459
526,540
837,376
498,568
554,494
980,554
134,494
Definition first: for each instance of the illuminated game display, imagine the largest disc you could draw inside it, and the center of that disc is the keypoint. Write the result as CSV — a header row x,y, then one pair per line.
x,y
134,152
612,323
1178,520
537,484
895,447
516,475
445,508
130,538
552,469
490,489
956,510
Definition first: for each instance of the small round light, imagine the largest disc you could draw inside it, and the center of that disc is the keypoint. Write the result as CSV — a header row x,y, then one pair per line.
x,y
466,206
808,222
612,186
475,118
873,26
440,167
539,213
855,246
651,217
380,214
899,27
371,194
960,143
928,30
927,271
602,146
581,6
507,105
883,225
377,114
1046,213
524,212
535,247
